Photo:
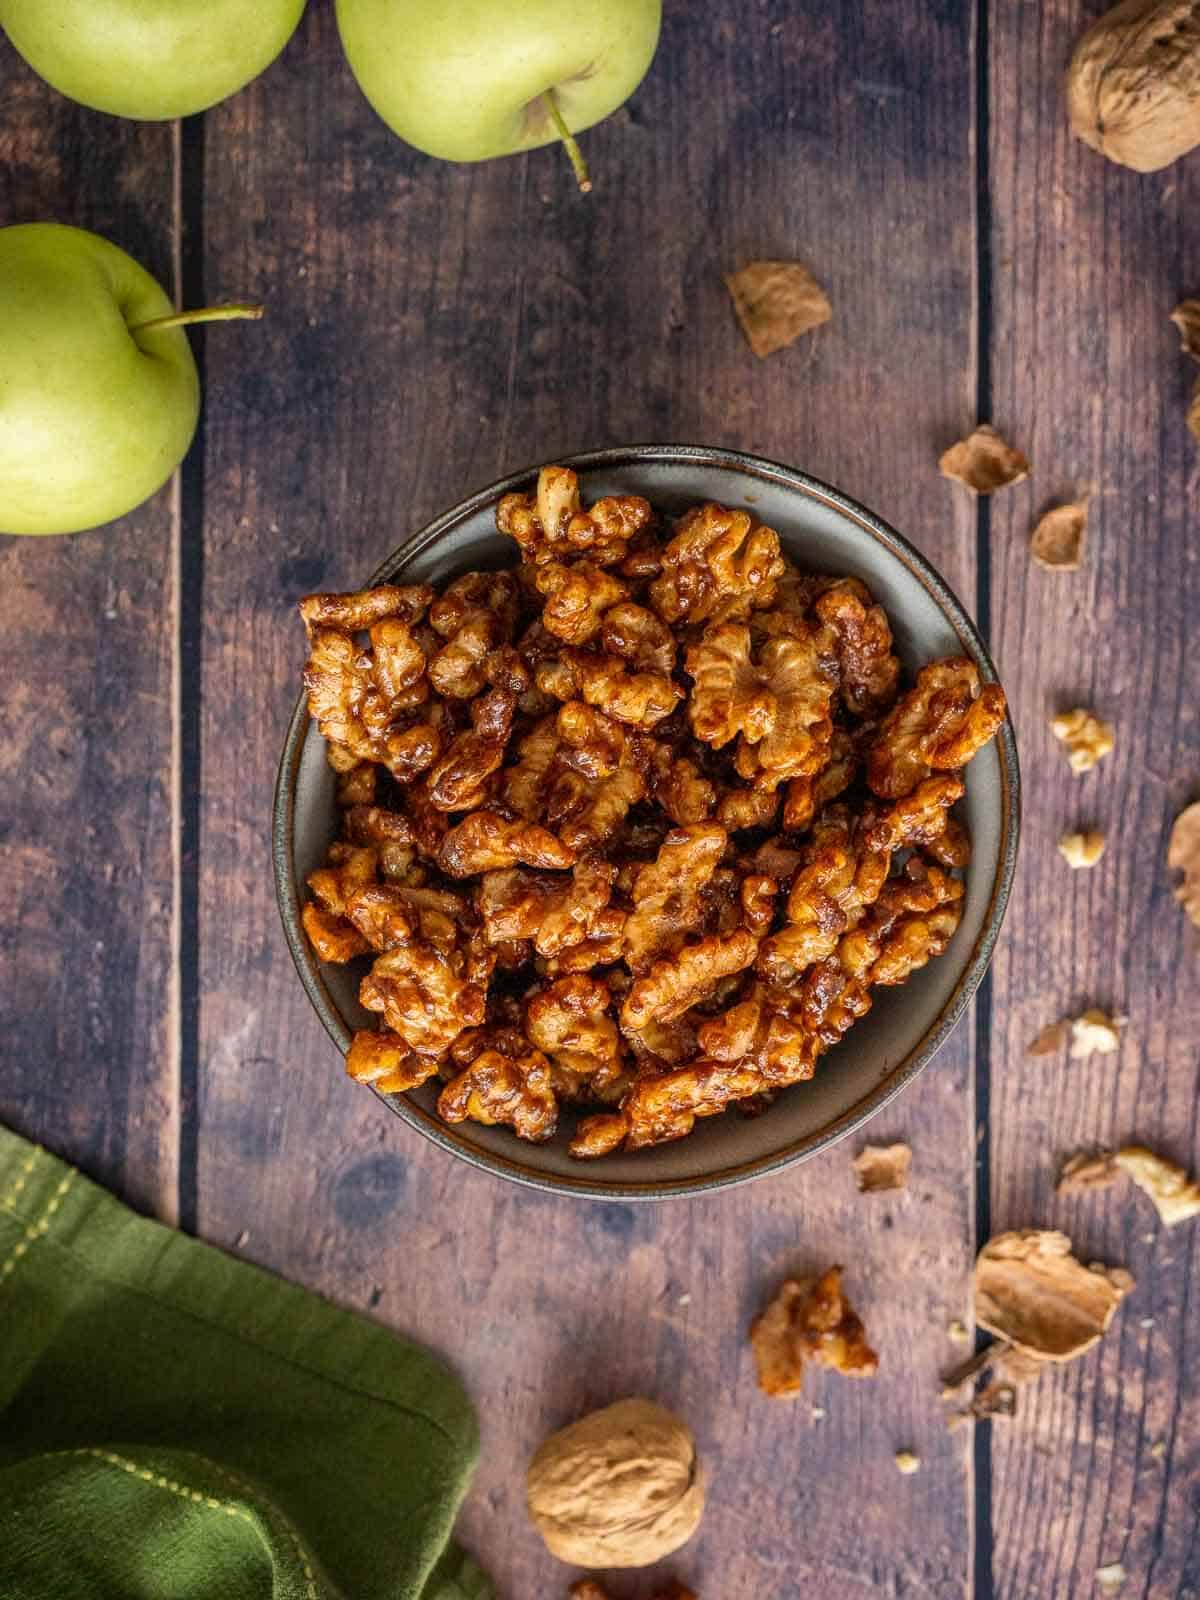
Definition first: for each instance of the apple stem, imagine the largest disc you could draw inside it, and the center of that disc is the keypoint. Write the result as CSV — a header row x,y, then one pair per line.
x,y
184,319
578,164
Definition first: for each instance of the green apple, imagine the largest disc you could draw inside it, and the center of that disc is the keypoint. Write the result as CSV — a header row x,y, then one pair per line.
x,y
470,79
98,389
149,59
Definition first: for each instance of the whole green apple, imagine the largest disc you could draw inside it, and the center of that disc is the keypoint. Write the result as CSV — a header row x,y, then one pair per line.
x,y
149,59
95,413
469,79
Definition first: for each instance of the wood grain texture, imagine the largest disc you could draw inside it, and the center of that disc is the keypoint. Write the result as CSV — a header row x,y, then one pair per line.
x,y
1089,261
429,328
86,661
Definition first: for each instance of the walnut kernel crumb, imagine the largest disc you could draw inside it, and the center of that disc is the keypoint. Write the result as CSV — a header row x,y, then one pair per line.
x,y
984,461
958,1332
878,1167
1087,737
1095,1033
1081,849
1110,1579
907,1462
776,302
1057,541
1175,1195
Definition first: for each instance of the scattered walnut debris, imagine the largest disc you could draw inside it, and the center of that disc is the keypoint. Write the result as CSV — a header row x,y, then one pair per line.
x,y
589,1589
776,301
984,461
1057,541
809,1320
1110,1579
1175,1195
1082,849
1031,1292
1186,317
1095,1033
879,1167
1133,86
1087,1170
1183,855
1050,1040
958,1332
1087,737
1000,1370
907,1462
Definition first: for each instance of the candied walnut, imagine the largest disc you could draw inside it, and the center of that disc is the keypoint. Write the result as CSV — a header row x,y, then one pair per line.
x,y
668,898
937,726
485,840
739,808
385,918
1087,738
498,1089
1183,855
639,638
1031,1291
1176,1196
457,781
778,707
1080,850
660,1044
680,788
570,1023
475,615
641,699
356,612
523,783
1087,1170
384,1060
869,670
775,302
833,993
919,818
555,913
389,833
809,1321
589,813
663,1108
880,1167
591,743
764,1031
672,987
720,564
347,869
553,525
367,702
984,461
1057,541
596,1136
331,936
911,924
422,998
576,599
356,785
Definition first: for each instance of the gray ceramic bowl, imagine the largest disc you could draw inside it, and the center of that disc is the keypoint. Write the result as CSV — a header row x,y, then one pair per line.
x,y
824,531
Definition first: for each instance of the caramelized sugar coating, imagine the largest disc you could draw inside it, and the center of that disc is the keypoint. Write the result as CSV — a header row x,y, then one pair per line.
x,y
561,789
809,1321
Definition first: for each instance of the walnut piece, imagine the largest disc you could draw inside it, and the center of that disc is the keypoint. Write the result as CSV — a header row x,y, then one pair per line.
x,y
775,302
570,1022
1186,317
1032,1292
1133,86
485,841
1056,543
458,781
1176,1196
1081,850
907,1462
381,1058
880,1167
984,461
939,725
668,893
422,997
809,1320
869,670
1087,738
577,599
1094,1033
720,565
475,615
497,1088
622,1487
1183,855
553,526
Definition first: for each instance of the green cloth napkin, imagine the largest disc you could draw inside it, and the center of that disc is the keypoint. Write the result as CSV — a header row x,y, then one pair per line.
x,y
176,1423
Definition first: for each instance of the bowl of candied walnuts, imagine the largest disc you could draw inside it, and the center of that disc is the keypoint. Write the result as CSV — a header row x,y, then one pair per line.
x,y
646,822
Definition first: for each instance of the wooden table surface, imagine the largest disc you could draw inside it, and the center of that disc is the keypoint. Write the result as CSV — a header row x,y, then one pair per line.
x,y
432,327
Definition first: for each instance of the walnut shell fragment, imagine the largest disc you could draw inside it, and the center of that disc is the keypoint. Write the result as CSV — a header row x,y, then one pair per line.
x,y
878,1167
1176,1196
984,461
1186,317
619,1488
1183,855
1133,86
1032,1292
1057,541
1087,1170
776,302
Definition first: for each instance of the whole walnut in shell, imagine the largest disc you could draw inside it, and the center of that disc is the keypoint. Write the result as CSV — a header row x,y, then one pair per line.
x,y
1133,88
619,1488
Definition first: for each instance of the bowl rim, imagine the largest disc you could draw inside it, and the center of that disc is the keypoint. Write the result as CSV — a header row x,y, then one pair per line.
x,y
447,1136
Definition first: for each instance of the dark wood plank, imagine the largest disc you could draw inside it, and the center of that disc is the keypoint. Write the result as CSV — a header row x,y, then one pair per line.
x,y
87,662
430,328
1090,260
